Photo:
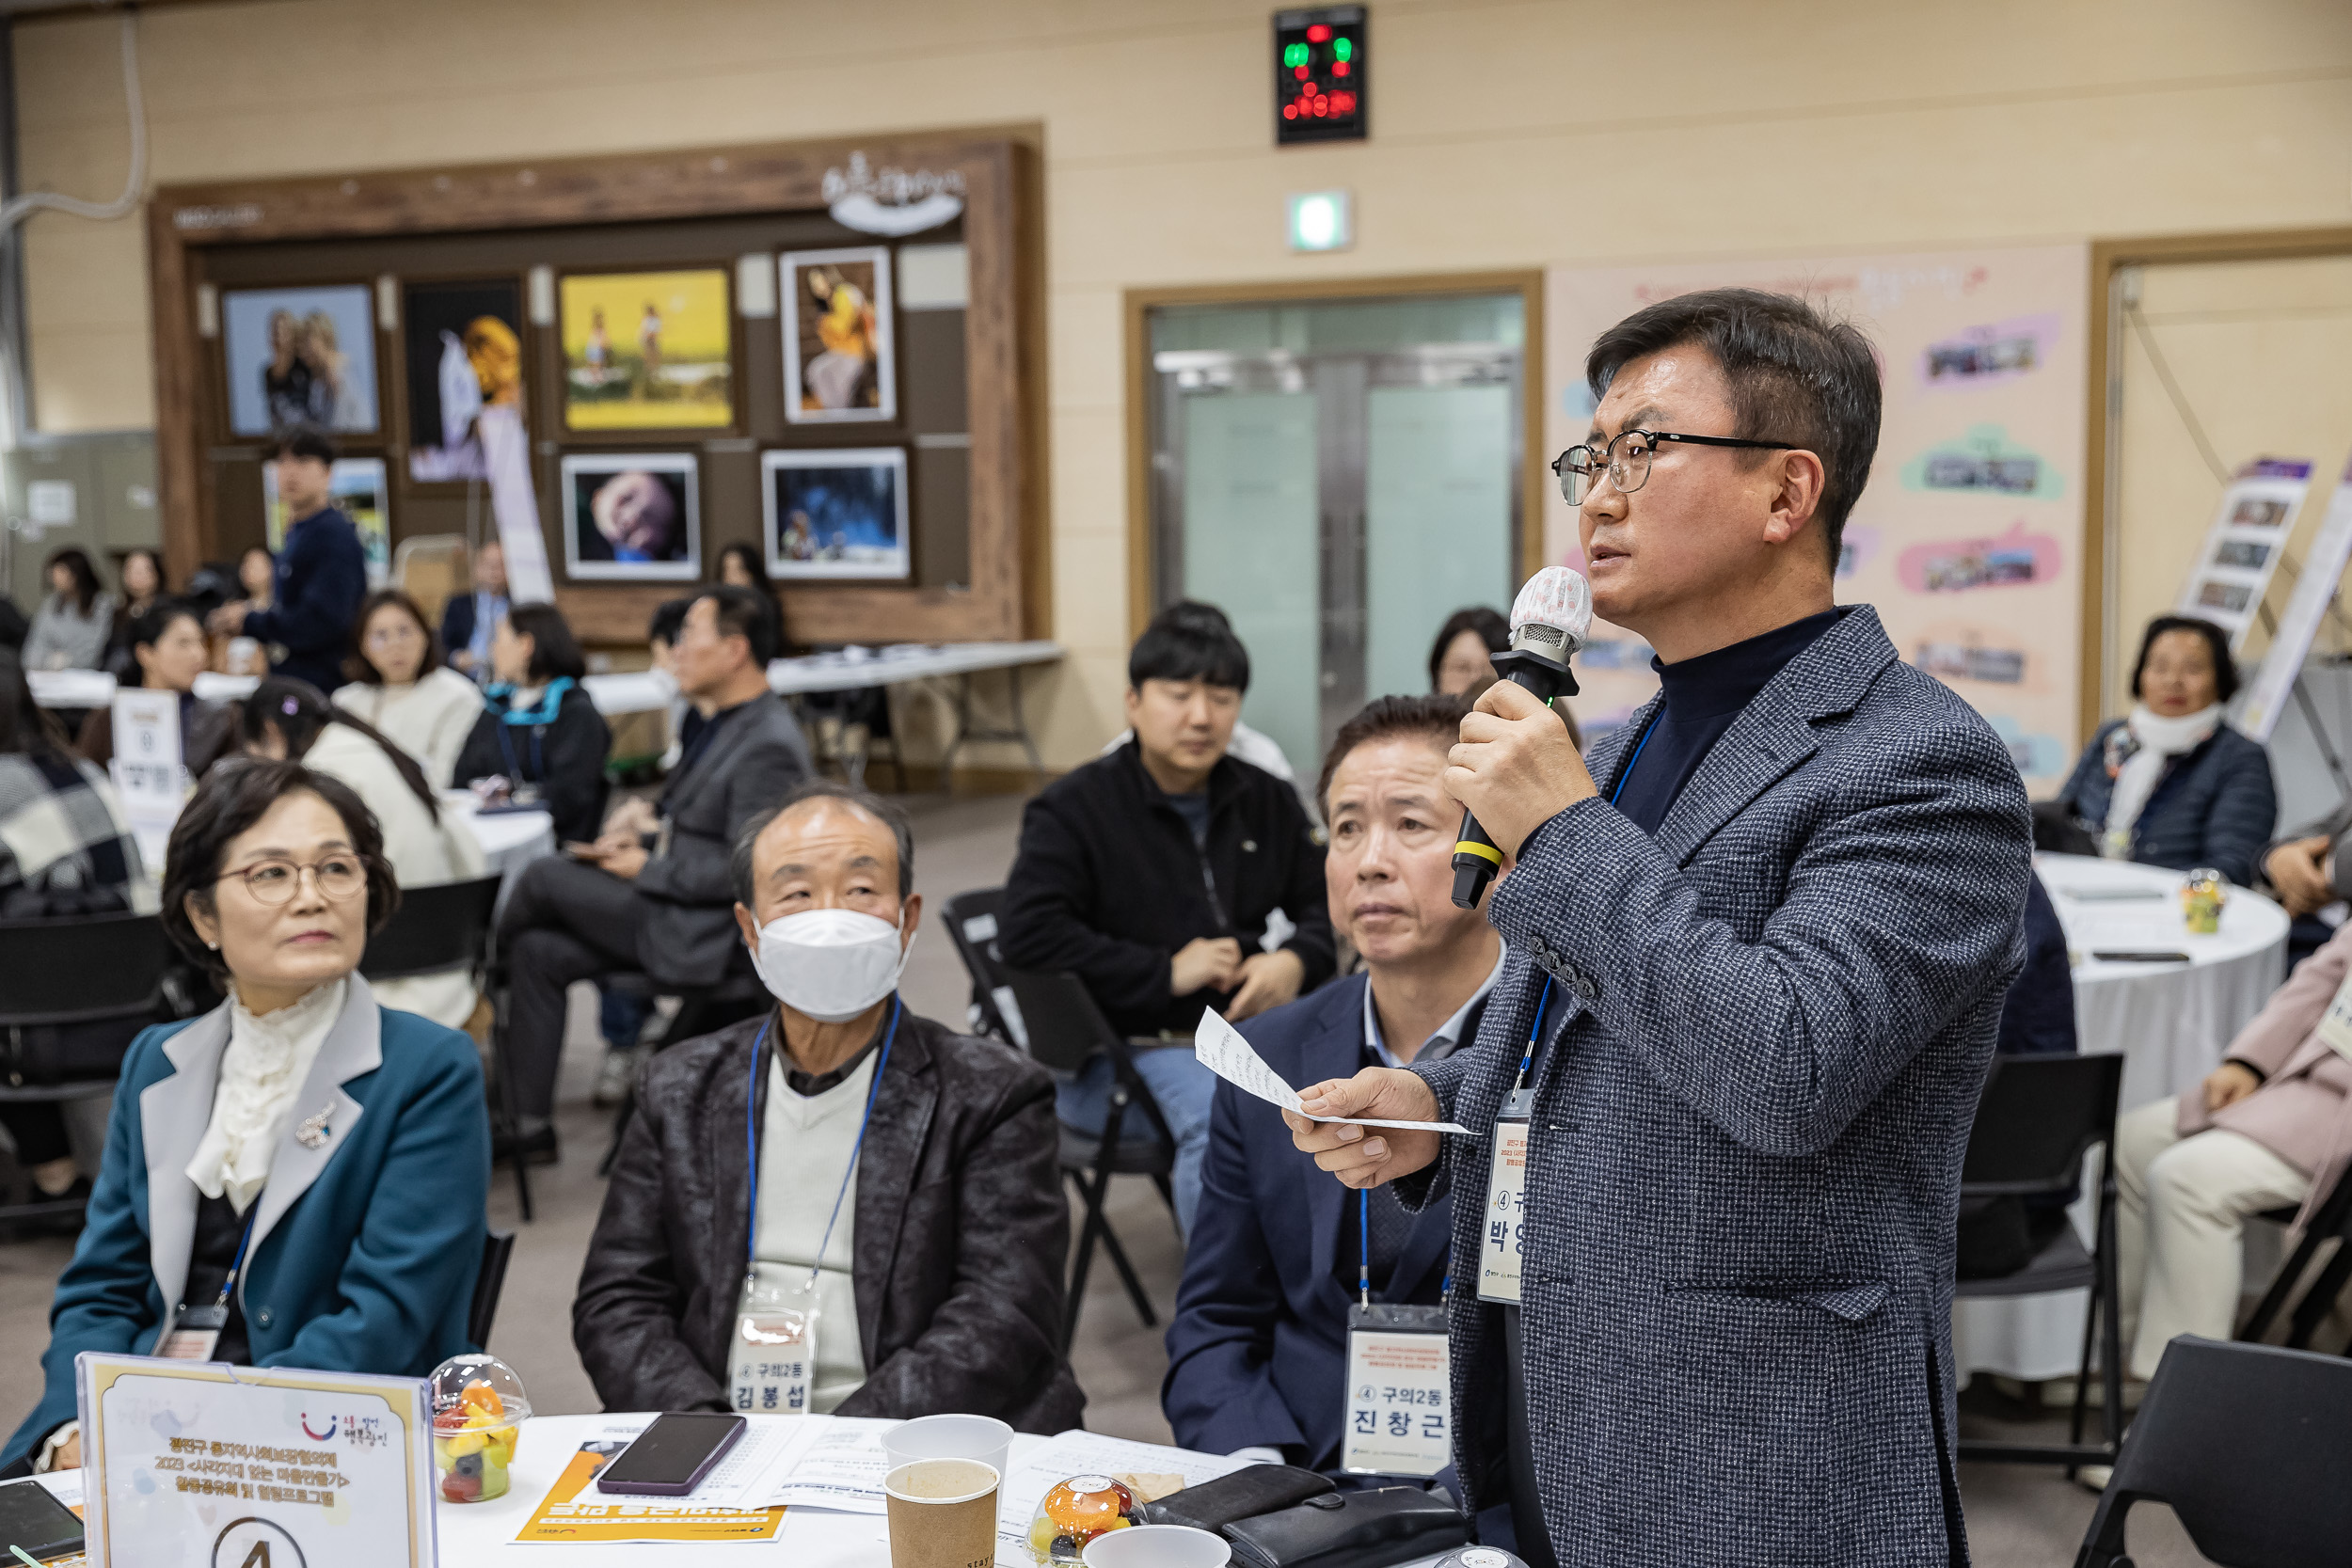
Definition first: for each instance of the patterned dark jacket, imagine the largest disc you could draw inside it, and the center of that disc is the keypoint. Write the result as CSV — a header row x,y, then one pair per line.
x,y
2215,807
960,1232
1767,1033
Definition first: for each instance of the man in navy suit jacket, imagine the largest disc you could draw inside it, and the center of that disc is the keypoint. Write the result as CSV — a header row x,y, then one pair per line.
x,y
322,573
1759,944
1258,1348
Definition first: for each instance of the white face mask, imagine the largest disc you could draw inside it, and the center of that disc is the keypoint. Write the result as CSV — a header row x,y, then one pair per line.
x,y
830,964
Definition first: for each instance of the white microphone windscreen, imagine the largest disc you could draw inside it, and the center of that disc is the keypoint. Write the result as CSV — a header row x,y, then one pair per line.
x,y
1559,600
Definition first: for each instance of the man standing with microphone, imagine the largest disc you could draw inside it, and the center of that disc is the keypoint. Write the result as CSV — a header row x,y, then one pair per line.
x,y
1703,1235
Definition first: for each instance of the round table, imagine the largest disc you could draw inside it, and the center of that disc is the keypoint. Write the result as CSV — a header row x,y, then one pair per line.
x,y
2171,1022
510,840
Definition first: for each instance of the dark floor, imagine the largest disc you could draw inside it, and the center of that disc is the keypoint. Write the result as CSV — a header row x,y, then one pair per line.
x,y
2018,1517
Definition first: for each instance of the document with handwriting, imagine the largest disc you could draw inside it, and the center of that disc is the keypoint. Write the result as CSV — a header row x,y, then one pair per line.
x,y
1223,1052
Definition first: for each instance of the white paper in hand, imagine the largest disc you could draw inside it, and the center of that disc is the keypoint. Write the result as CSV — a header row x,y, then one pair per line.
x,y
1223,1052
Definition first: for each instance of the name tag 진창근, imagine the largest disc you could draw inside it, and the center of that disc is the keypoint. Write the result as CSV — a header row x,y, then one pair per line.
x,y
1399,1392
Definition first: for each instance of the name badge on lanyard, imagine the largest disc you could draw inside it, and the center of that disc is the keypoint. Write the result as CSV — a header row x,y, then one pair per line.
x,y
1502,1231
771,1360
2335,1027
193,1332
1399,1392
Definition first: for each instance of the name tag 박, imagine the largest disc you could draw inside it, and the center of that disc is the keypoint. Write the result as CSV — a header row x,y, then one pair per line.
x,y
1399,1392
1503,1228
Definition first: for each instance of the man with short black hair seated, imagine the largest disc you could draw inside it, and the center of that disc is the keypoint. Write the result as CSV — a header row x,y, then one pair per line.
x,y
903,1187
1150,875
1257,1352
652,891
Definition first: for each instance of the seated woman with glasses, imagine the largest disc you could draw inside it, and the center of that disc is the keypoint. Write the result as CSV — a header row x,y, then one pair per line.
x,y
298,1177
425,843
2169,783
400,684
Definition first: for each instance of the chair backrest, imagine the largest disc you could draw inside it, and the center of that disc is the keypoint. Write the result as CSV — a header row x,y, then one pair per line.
x,y
435,928
2247,1444
972,926
1065,1029
2039,1116
86,969
497,1246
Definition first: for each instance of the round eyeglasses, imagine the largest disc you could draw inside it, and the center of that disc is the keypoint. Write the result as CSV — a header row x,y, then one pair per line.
x,y
272,882
1627,459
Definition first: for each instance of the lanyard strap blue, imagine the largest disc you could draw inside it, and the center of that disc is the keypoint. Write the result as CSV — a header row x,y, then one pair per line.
x,y
237,1264
1626,771
751,1145
1363,1237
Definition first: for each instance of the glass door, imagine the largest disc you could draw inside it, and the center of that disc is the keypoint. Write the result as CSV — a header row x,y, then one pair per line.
x,y
1338,478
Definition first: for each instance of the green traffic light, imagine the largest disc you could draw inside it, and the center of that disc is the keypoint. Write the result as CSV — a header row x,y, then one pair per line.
x,y
1343,49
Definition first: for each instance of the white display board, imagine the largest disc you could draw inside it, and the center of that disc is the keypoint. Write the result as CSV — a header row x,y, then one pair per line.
x,y
2241,551
147,770
206,1465
2264,697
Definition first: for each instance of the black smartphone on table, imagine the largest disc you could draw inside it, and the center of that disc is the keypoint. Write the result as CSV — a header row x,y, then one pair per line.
x,y
670,1458
36,1523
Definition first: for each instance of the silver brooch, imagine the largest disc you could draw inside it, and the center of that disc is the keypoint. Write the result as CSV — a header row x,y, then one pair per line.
x,y
312,1130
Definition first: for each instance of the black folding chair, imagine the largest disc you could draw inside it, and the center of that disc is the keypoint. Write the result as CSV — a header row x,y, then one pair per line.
x,y
2333,1219
442,926
971,927
76,973
498,1247
2247,1445
737,995
2038,1117
1055,1020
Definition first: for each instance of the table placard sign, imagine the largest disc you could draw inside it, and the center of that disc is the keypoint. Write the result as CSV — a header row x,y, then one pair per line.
x,y
146,767
206,1465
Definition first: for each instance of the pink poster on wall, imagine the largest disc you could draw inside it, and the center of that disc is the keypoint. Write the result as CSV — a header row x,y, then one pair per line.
x,y
1968,537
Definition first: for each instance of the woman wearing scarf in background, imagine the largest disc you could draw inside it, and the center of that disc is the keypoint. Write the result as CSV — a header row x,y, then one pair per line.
x,y
540,733
2172,784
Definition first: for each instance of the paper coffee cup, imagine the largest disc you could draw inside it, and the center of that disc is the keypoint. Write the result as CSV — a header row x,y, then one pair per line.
x,y
942,1514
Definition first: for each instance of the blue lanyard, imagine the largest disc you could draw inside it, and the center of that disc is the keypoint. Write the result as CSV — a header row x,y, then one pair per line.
x,y
538,757
1527,1057
1363,1236
1626,771
750,1144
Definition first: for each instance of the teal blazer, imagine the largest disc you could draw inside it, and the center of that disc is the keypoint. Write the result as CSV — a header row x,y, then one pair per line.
x,y
365,1247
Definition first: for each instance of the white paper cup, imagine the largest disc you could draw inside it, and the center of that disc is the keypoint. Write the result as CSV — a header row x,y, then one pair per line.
x,y
1157,1547
982,1438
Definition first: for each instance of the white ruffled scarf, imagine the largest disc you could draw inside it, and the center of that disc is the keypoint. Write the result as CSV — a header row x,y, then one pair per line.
x,y
2137,757
262,1071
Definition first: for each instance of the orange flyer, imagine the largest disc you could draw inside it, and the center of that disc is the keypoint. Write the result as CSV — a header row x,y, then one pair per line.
x,y
565,1515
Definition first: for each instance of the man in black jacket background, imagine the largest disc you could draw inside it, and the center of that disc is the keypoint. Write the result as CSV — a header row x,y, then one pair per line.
x,y
1151,873
321,570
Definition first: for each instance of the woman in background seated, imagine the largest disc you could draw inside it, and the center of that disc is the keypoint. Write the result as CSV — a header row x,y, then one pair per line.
x,y
1459,660
142,589
542,733
257,581
166,647
425,846
305,1170
400,686
64,850
2171,785
70,628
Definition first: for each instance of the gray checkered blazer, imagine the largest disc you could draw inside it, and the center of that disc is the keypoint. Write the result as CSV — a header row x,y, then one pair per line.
x,y
1767,1032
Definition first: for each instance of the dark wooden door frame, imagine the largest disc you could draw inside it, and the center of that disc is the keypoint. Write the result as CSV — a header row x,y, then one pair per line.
x,y
1010,593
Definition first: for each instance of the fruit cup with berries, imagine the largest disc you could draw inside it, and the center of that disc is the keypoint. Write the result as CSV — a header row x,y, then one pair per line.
x,y
477,1408
1074,1513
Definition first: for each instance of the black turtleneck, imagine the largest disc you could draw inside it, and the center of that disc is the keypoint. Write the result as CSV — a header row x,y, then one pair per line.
x,y
1703,695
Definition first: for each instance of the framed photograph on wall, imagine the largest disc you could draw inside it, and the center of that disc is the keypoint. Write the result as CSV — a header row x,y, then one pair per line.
x,y
631,516
462,346
647,350
360,487
840,513
297,357
837,338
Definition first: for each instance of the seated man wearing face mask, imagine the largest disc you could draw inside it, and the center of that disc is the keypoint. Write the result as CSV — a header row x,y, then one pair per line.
x,y
874,1193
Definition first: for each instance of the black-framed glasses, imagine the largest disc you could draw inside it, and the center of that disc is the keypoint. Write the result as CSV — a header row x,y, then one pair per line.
x,y
1628,459
272,882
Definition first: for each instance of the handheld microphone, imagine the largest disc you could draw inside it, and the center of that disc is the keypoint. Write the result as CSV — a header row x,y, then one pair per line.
x,y
1550,621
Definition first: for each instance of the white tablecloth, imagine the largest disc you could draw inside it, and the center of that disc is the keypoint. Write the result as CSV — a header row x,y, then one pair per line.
x,y
2171,1022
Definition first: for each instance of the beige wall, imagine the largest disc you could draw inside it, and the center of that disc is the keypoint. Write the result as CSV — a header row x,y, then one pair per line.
x,y
1729,128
